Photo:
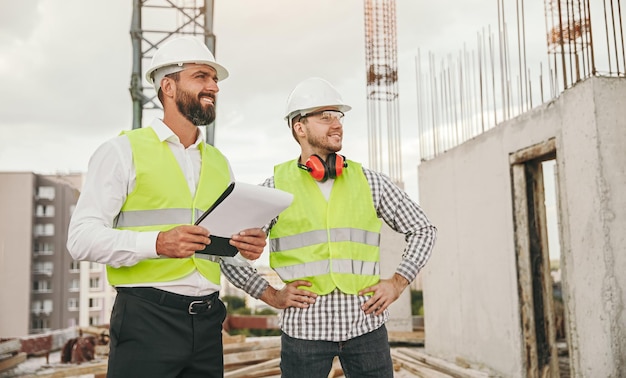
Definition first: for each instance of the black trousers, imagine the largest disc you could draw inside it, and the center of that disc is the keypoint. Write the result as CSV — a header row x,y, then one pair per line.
x,y
159,334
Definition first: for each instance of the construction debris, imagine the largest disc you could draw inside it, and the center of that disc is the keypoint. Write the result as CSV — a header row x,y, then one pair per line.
x,y
415,338
65,353
87,354
419,363
260,357
84,347
10,355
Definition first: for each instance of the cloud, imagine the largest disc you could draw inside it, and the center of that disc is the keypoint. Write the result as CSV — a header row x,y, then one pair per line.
x,y
65,66
18,19
66,72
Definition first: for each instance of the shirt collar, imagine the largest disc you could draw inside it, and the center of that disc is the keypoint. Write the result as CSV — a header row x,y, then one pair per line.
x,y
164,133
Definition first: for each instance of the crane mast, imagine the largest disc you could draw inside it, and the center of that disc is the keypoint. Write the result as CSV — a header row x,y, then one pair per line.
x,y
153,23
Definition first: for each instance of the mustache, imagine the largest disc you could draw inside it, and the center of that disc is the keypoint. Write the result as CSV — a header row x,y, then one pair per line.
x,y
207,94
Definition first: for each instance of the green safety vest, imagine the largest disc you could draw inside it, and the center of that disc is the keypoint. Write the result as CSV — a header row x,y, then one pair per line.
x,y
161,201
332,244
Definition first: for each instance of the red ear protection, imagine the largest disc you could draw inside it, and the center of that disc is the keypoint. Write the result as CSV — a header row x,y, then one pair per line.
x,y
335,164
322,171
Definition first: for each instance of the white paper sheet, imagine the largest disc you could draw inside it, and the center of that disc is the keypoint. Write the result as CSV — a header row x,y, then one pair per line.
x,y
247,206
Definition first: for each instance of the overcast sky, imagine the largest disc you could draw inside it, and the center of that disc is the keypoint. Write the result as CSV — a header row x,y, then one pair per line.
x,y
65,71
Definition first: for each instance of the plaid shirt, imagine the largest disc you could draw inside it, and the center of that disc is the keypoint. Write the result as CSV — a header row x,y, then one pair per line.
x,y
338,316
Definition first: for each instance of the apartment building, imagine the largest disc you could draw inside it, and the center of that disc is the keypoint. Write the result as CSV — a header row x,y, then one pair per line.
x,y
40,284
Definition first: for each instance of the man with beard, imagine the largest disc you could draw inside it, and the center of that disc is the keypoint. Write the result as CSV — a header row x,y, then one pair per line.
x,y
143,191
325,247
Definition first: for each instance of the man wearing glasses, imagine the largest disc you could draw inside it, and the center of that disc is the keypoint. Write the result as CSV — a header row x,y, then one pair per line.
x,y
325,247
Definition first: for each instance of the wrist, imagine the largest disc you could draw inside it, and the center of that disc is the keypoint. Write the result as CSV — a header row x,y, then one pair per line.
x,y
269,296
400,282
158,240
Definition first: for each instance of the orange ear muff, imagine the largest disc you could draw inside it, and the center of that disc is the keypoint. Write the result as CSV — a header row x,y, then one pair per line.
x,y
317,168
335,164
322,171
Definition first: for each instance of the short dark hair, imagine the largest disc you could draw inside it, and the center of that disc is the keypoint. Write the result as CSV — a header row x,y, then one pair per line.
x,y
297,118
175,76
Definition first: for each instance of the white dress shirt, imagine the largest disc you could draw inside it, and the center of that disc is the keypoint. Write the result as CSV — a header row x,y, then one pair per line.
x,y
110,178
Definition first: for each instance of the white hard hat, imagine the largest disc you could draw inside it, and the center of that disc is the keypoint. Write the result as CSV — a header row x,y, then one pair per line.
x,y
172,56
311,94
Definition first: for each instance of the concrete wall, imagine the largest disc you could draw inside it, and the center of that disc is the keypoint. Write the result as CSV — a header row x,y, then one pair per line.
x,y
593,205
470,283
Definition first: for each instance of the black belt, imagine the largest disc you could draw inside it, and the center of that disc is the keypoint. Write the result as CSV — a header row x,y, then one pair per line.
x,y
193,305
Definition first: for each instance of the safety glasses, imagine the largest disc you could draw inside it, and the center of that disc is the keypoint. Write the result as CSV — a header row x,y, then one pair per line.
x,y
326,116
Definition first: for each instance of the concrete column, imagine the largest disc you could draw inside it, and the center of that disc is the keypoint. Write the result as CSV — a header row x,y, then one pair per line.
x,y
391,249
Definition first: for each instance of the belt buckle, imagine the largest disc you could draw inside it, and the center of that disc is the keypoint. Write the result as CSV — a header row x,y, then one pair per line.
x,y
191,310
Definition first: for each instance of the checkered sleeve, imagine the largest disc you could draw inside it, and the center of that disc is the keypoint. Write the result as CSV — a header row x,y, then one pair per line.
x,y
245,278
405,216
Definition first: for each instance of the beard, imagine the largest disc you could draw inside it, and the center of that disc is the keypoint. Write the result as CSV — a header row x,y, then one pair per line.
x,y
191,107
320,142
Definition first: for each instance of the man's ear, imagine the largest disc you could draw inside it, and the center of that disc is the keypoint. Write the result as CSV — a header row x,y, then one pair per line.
x,y
298,128
168,86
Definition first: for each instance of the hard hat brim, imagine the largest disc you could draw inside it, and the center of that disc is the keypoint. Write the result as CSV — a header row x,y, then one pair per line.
x,y
222,73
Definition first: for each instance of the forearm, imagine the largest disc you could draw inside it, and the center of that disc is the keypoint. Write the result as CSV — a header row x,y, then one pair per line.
x,y
269,296
420,244
93,242
399,282
246,279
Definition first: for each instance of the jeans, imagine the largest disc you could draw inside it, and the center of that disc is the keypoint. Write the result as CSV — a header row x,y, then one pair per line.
x,y
367,355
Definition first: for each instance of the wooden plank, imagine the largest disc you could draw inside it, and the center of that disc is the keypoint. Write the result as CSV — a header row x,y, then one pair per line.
x,y
72,370
524,269
248,370
270,372
228,339
418,368
252,345
545,150
442,365
252,356
412,338
541,258
13,361
96,331
101,350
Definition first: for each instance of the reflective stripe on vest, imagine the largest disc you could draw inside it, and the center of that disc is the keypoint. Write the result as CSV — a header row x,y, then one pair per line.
x,y
161,200
318,268
332,244
140,218
322,236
